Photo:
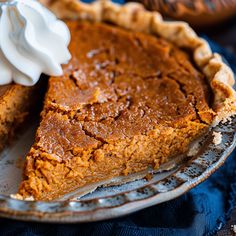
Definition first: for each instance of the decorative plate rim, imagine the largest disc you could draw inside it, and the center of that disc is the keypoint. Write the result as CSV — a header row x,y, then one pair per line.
x,y
209,158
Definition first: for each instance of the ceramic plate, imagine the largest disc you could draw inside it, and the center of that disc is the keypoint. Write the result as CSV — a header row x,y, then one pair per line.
x,y
175,178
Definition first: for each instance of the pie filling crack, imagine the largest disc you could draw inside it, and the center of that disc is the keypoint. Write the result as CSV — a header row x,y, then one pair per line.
x,y
127,101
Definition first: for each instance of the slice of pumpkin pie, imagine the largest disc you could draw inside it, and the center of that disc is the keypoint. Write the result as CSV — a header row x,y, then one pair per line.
x,y
128,100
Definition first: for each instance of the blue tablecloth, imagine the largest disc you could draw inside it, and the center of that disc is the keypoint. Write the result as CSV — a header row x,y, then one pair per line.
x,y
201,211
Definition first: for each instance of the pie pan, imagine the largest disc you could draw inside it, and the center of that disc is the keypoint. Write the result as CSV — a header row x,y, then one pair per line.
x,y
173,179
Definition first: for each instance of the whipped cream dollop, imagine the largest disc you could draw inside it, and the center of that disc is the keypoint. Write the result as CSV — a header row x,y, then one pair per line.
x,y
32,41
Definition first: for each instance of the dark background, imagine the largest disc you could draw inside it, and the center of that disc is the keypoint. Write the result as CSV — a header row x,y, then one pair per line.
x,y
225,35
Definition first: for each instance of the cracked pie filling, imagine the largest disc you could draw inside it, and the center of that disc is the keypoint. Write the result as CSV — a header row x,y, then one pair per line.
x,y
127,101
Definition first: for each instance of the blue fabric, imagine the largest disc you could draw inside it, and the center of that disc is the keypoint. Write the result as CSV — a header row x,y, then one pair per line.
x,y
201,211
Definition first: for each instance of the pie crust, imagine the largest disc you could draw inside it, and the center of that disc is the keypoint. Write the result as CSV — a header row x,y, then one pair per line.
x,y
134,16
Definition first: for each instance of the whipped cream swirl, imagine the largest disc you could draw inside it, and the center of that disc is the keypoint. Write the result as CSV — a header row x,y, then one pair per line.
x,y
32,41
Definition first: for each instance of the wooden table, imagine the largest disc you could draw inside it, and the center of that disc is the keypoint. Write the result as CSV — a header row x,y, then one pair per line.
x,y
228,229
225,35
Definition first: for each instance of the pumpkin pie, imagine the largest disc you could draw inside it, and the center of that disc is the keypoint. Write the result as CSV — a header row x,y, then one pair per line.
x,y
16,104
137,92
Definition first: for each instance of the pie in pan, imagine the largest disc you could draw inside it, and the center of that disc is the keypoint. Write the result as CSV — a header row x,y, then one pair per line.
x,y
136,93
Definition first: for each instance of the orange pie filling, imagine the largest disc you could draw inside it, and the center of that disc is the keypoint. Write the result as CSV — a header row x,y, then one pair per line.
x,y
127,101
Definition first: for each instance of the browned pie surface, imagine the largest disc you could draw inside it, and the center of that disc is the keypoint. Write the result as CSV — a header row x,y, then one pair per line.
x,y
127,101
